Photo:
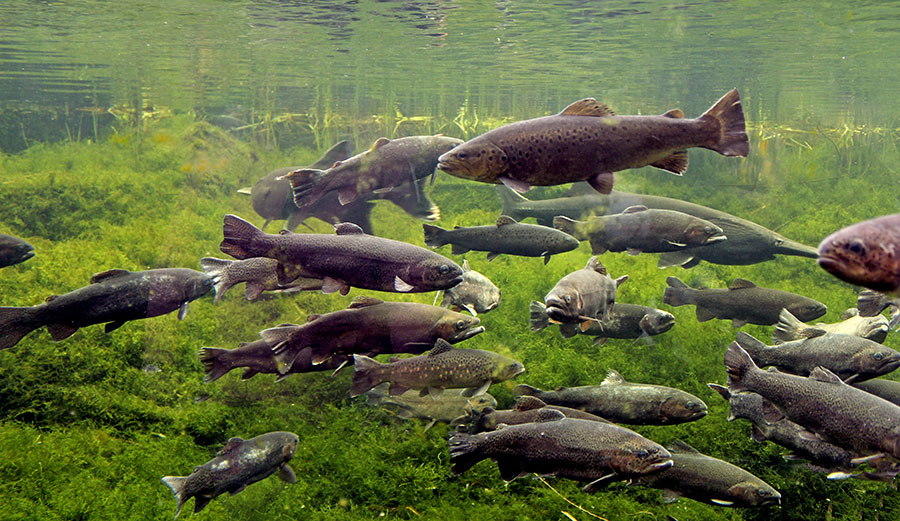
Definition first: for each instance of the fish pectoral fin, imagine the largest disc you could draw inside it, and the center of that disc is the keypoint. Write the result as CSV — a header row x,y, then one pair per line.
x,y
603,182
737,322
475,391
347,195
383,190
568,329
721,502
546,255
676,244
182,311
430,425
470,309
514,184
238,490
338,368
492,255
402,286
674,258
433,392
599,341
201,502
676,163
509,469
60,331
330,285
599,483
253,290
286,473
112,326
704,314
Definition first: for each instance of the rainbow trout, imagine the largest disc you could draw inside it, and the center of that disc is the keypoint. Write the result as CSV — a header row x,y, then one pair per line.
x,y
587,141
866,254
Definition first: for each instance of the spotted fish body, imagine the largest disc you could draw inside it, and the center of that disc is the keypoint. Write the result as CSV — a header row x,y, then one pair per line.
x,y
450,407
259,274
586,141
866,254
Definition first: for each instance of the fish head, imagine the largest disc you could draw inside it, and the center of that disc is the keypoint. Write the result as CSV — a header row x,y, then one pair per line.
x,y
288,442
806,309
657,321
481,402
475,291
478,159
455,327
14,250
505,369
564,304
681,408
875,360
196,284
754,493
638,455
873,328
701,233
748,406
434,274
439,144
863,254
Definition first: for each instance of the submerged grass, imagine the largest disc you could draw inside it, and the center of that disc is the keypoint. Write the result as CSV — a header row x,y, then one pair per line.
x,y
88,426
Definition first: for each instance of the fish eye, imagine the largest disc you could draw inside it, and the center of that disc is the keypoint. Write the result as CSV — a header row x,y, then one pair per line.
x,y
857,247
462,155
444,269
878,356
568,299
641,453
779,242
461,324
690,405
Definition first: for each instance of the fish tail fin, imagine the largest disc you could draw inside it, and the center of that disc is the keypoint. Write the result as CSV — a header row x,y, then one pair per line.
x,y
564,224
675,294
510,200
176,484
239,238
215,368
737,364
367,373
526,390
216,268
464,452
788,327
539,318
304,184
870,303
16,323
434,235
731,134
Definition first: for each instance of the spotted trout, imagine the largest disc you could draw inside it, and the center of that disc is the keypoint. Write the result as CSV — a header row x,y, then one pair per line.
x,y
866,254
587,141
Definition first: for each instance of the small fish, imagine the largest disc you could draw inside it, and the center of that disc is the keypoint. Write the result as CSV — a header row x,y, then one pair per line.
x,y
587,141
258,272
639,229
582,298
874,328
387,164
528,409
620,401
365,261
113,296
743,302
708,480
625,321
850,357
238,464
450,407
476,293
443,367
507,236
871,303
567,448
866,254
14,250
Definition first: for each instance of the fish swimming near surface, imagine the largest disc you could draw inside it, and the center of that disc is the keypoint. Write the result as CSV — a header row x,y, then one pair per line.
x,y
748,242
348,258
387,164
743,302
476,293
639,229
873,328
258,273
587,141
568,448
113,296
850,357
238,464
708,480
625,321
866,254
507,236
528,409
444,367
620,401
450,407
581,298
871,303
14,250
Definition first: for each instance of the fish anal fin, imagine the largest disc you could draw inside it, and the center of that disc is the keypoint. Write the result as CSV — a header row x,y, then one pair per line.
x,y
677,163
60,331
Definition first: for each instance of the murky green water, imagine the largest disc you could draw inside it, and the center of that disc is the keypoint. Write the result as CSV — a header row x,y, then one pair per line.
x,y
106,161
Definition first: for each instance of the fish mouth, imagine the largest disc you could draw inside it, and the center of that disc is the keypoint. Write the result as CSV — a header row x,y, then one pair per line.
x,y
468,333
446,166
27,255
889,365
715,238
662,465
559,314
768,502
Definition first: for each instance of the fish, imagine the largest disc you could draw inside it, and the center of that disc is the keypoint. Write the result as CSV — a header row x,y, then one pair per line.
x,y
840,414
871,303
568,448
625,321
14,250
748,242
582,298
743,302
476,293
881,387
507,236
259,274
349,258
444,367
866,254
238,464
620,401
371,326
528,409
450,407
873,328
588,142
850,357
639,229
800,441
708,480
387,164
114,296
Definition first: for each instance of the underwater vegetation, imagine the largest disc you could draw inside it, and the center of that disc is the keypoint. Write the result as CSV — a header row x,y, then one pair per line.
x,y
89,425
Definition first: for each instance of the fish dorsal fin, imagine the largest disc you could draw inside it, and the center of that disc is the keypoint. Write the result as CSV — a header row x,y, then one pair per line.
x,y
824,375
620,280
680,447
594,264
465,266
613,377
675,282
503,220
348,229
527,403
548,415
741,284
380,142
312,317
362,301
587,107
674,113
721,389
849,313
108,274
440,346
232,445
636,208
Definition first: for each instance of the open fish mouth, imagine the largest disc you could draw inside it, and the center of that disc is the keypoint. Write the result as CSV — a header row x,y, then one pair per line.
x,y
446,166
715,238
772,501
662,465
468,333
889,365
559,314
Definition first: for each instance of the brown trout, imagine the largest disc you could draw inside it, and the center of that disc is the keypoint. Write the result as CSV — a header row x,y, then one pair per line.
x,y
866,254
587,141
582,297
